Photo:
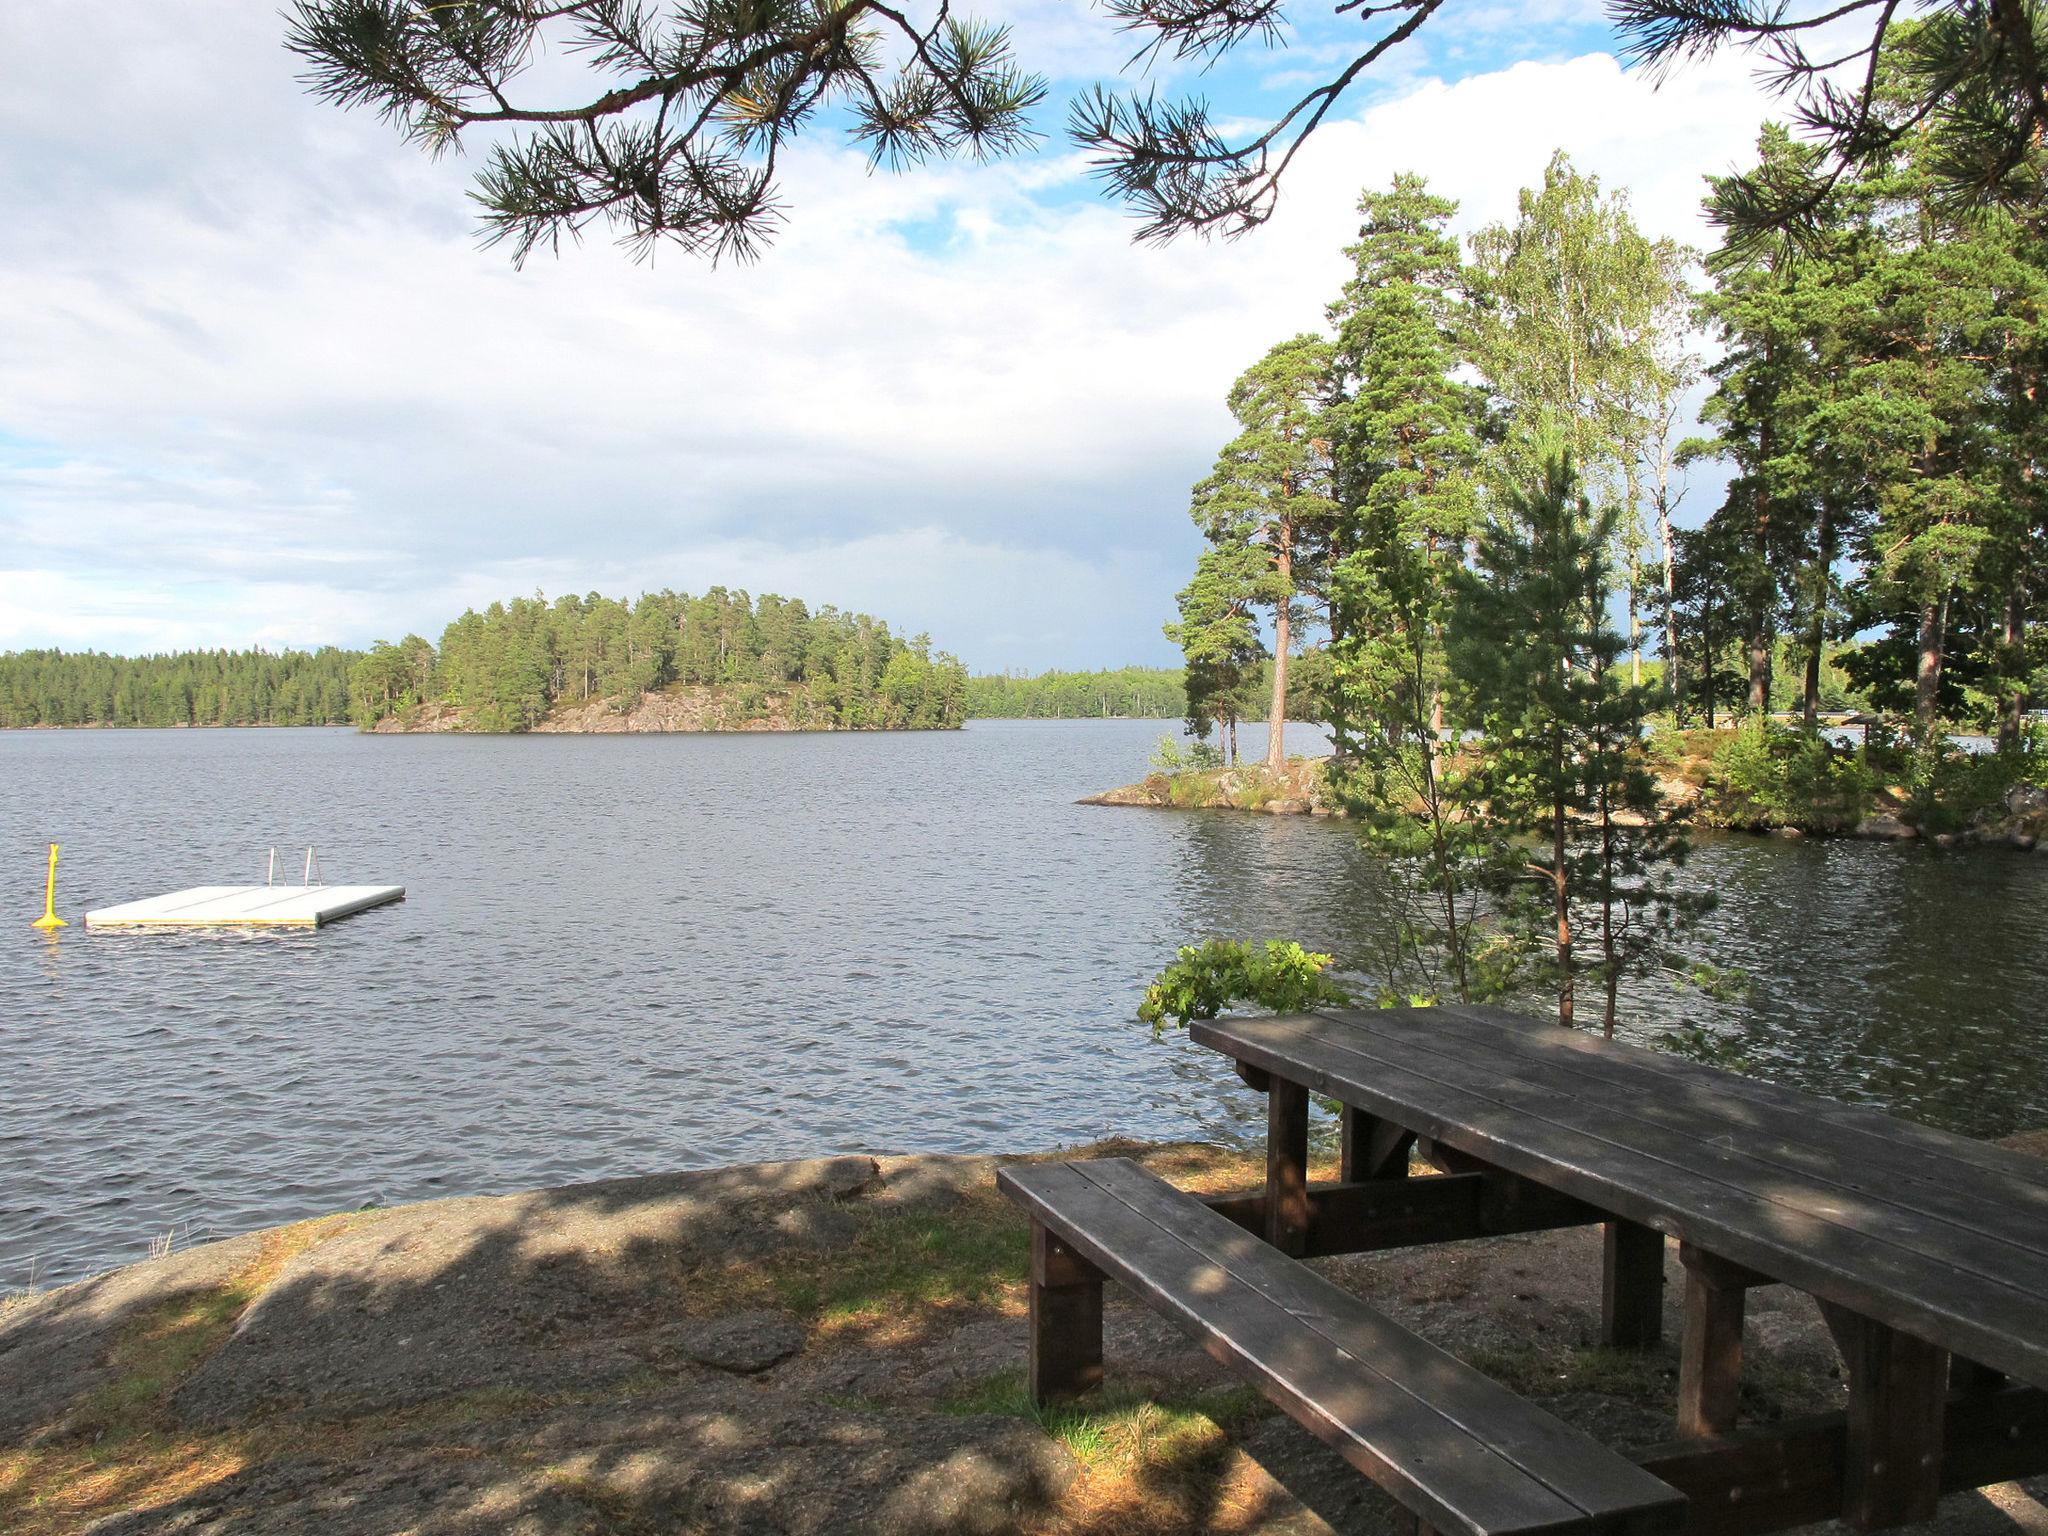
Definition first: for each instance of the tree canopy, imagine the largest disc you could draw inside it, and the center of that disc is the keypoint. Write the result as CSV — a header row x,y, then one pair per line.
x,y
509,665
50,687
675,128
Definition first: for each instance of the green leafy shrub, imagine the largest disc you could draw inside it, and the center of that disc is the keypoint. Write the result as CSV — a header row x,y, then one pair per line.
x,y
1206,978
1170,756
1775,778
1951,788
1193,790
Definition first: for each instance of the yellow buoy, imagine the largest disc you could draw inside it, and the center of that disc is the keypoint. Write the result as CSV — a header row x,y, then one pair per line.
x,y
50,919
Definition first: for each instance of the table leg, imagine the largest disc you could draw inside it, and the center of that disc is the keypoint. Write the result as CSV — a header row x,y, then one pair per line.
x,y
1373,1148
1066,1320
1972,1379
1710,1354
1898,1386
1287,1166
1631,1285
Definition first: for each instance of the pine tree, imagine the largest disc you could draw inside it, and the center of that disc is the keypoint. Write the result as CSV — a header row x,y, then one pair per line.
x,y
1219,636
1271,488
685,110
1534,644
1405,452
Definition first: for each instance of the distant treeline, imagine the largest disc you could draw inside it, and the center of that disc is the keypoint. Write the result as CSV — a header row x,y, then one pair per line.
x,y
512,663
1147,693
188,688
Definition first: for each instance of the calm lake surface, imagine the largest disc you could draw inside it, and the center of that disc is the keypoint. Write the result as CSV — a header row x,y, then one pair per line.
x,y
628,954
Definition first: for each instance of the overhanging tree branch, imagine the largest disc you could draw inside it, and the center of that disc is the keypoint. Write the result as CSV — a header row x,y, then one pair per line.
x,y
690,101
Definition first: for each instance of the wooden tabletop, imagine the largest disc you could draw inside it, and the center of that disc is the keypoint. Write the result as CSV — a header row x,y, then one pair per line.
x,y
1931,1233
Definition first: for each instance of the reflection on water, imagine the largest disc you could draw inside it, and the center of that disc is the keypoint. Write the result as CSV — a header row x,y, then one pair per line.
x,y
622,954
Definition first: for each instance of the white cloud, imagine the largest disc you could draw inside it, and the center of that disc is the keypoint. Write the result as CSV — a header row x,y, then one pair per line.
x,y
267,384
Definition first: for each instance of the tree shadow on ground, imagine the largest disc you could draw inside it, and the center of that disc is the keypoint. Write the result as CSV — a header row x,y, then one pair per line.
x,y
826,1346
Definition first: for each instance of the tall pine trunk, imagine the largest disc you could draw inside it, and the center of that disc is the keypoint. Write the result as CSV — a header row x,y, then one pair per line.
x,y
2012,719
1276,716
1927,676
1560,885
1816,628
1608,939
1632,538
1671,679
1761,585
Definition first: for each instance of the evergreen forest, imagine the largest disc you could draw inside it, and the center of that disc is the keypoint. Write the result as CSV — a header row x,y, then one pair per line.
x,y
1132,693
49,687
770,657
767,659
1456,508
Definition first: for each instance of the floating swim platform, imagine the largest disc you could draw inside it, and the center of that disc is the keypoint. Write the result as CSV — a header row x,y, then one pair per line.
x,y
246,906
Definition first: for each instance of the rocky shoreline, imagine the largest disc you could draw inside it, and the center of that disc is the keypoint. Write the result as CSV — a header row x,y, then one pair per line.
x,y
807,1348
678,709
2019,822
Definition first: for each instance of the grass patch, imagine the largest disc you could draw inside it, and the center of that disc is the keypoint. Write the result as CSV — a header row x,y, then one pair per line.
x,y
901,1264
904,1261
897,1264
1119,1428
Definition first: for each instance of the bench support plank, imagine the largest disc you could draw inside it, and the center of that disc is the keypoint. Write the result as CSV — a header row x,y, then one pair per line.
x,y
1066,1320
1372,1148
1406,1213
1287,1166
1631,1286
1710,1353
1465,1455
1891,1474
1791,1474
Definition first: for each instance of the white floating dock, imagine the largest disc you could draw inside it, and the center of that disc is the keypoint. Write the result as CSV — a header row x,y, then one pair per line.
x,y
245,906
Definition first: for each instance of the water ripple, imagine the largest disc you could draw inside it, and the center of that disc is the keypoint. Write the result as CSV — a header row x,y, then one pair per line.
x,y
621,955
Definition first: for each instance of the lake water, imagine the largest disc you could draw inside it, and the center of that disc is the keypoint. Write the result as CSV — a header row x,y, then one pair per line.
x,y
628,954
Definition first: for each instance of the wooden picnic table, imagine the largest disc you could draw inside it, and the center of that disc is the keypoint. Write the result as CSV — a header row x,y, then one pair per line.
x,y
1928,1252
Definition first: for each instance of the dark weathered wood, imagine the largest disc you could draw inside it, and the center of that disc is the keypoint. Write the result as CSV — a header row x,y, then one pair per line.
x,y
1994,1437
1984,1298
1286,1165
1760,1480
1819,1148
1405,1213
1791,1474
1710,1353
1631,1285
1371,1148
1722,1272
1970,1378
2008,1176
1254,1078
1809,1180
1461,1452
1891,1470
1448,1159
1066,1320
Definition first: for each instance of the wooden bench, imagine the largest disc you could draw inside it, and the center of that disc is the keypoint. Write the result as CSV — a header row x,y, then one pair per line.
x,y
1458,1451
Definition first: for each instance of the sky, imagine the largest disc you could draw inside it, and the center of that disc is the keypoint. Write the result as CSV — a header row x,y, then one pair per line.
x,y
261,385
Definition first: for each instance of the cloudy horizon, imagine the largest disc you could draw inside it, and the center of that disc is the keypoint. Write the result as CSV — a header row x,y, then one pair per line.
x,y
260,386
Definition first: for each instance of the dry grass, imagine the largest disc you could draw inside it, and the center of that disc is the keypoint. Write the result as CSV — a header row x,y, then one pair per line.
x,y
119,1448
1156,1457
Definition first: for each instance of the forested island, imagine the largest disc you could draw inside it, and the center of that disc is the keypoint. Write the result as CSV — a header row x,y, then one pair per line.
x,y
664,662
1130,693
